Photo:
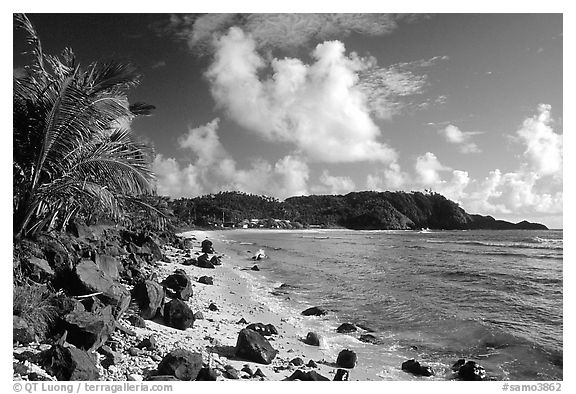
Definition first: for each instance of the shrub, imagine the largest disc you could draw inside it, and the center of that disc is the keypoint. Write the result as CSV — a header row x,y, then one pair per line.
x,y
36,305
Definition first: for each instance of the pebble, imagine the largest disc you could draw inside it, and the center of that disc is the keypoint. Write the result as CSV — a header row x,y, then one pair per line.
x,y
134,377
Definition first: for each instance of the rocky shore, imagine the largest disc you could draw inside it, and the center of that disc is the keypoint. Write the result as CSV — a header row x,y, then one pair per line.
x,y
141,306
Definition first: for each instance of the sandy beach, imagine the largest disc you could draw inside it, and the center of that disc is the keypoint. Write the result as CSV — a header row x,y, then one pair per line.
x,y
215,336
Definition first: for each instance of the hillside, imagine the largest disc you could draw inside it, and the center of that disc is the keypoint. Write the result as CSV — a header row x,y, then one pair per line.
x,y
357,210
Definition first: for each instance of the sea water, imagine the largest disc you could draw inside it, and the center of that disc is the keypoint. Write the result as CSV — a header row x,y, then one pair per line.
x,y
494,297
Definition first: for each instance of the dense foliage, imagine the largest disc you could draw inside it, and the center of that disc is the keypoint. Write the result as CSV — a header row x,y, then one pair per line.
x,y
73,152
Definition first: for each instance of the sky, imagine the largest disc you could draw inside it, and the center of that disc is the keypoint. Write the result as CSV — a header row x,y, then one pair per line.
x,y
466,105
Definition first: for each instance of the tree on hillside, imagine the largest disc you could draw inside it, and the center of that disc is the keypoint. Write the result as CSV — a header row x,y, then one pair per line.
x,y
73,150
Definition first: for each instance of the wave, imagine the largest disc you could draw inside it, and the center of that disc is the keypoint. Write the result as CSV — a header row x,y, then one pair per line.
x,y
536,243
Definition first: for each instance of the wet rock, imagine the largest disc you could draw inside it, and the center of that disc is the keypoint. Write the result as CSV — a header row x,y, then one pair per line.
x,y
254,347
21,330
207,374
415,368
207,280
207,246
177,314
182,364
346,359
216,260
341,375
178,285
150,298
346,328
472,371
368,338
89,330
204,262
69,363
136,321
312,339
306,376
314,311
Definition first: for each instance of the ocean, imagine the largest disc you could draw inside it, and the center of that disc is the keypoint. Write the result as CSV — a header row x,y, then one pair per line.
x,y
494,297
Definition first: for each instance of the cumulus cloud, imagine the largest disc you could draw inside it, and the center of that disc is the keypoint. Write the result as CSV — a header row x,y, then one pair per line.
x,y
317,107
212,169
330,184
461,138
284,31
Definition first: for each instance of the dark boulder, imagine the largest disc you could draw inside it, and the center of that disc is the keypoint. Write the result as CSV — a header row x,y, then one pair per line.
x,y
346,328
207,280
109,265
306,376
204,262
92,279
137,321
21,330
314,311
346,359
312,339
213,307
198,316
178,285
190,262
207,374
89,330
80,229
415,368
182,364
111,357
472,371
149,295
255,268
148,343
312,364
69,363
59,258
342,375
297,361
254,347
456,366
231,373
242,321
216,260
37,269
207,246
151,249
177,314
263,329
368,338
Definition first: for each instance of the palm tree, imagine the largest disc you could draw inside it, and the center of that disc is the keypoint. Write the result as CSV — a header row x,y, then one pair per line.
x,y
73,150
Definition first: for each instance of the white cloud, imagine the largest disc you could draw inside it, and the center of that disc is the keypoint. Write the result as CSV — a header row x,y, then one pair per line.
x,y
428,169
212,169
543,146
318,107
334,184
461,138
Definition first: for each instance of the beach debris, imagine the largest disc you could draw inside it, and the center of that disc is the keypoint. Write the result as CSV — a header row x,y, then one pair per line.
x,y
69,363
148,343
149,295
297,361
178,285
314,311
89,330
177,314
207,374
306,376
346,359
255,268
213,307
182,364
263,329
207,246
346,328
415,368
368,338
136,321
254,347
259,255
341,375
312,339
204,261
207,280
472,371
